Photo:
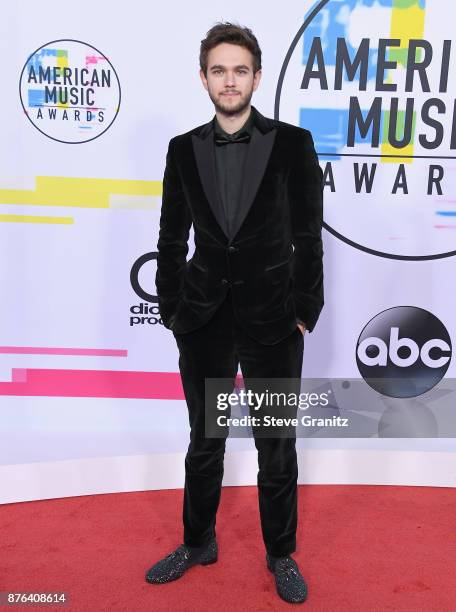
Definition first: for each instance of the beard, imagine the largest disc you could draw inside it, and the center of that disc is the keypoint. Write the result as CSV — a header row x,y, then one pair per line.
x,y
229,108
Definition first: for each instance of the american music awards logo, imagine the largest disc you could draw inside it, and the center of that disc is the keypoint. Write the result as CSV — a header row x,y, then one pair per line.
x,y
374,82
70,91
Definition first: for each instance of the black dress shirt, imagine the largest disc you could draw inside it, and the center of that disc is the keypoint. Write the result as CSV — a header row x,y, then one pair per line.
x,y
229,165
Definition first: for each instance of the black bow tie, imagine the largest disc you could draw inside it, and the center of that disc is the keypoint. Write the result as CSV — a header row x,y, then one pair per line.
x,y
222,139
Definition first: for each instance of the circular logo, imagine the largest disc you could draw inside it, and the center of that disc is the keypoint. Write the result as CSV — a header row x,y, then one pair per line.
x,y
134,277
69,91
371,80
403,351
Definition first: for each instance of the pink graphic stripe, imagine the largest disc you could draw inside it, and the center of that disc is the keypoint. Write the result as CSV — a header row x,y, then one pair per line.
x,y
95,383
19,375
46,350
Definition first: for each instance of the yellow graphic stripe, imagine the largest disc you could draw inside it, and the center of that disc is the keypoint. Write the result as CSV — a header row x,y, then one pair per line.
x,y
35,219
407,21
84,192
62,62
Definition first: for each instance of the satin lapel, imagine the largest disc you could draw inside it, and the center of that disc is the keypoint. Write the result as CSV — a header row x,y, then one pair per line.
x,y
258,154
205,161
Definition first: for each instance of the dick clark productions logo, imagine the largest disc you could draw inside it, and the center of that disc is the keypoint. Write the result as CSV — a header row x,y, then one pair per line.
x,y
69,91
403,351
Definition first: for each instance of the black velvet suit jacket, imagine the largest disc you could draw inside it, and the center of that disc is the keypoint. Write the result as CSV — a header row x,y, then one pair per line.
x,y
273,260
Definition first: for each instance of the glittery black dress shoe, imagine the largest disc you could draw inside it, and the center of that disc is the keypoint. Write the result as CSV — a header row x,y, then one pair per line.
x,y
177,563
290,584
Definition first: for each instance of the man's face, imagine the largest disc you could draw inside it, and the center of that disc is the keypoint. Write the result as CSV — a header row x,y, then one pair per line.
x,y
230,81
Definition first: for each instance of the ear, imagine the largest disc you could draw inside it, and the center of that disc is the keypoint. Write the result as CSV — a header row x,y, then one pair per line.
x,y
203,79
256,79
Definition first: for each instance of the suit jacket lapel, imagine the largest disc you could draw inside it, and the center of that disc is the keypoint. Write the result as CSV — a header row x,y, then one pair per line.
x,y
203,147
259,151
258,154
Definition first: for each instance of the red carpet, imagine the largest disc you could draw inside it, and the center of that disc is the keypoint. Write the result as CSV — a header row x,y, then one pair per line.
x,y
361,548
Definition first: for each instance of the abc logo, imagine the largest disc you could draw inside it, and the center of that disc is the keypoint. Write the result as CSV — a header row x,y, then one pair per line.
x,y
403,351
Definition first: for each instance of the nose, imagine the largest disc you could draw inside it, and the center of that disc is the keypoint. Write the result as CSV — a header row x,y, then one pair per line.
x,y
229,79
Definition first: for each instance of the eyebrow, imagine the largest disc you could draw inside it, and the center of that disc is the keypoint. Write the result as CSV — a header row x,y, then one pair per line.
x,y
218,66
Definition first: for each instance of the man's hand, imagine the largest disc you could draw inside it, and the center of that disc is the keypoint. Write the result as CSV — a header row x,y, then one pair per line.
x,y
302,327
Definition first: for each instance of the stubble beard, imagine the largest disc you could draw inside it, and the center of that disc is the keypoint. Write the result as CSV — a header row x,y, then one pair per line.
x,y
229,110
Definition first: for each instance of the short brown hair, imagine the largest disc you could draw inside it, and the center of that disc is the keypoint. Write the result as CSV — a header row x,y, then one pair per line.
x,y
235,34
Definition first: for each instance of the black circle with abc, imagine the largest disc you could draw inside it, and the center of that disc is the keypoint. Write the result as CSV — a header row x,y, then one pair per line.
x,y
101,54
417,325
311,16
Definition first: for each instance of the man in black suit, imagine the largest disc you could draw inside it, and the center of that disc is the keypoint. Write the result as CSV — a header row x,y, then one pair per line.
x,y
253,190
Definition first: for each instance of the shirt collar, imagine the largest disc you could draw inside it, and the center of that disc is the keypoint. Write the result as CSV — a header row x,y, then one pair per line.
x,y
247,127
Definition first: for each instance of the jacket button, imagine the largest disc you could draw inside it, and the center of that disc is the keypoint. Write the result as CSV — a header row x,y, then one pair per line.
x,y
232,249
225,281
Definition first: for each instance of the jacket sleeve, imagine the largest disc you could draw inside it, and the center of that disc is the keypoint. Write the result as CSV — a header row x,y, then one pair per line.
x,y
306,209
172,246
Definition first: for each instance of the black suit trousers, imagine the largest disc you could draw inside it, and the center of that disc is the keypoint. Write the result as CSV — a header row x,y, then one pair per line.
x,y
214,351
